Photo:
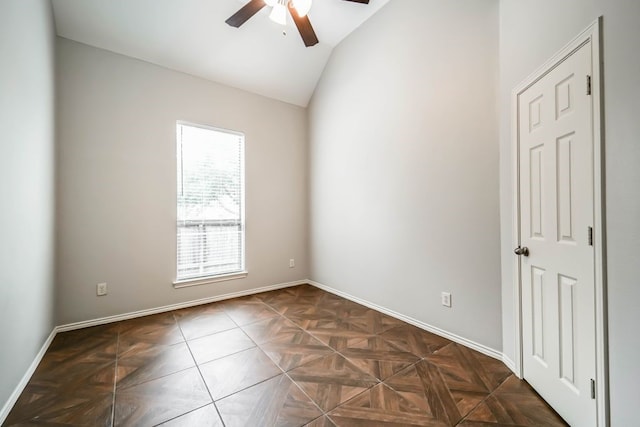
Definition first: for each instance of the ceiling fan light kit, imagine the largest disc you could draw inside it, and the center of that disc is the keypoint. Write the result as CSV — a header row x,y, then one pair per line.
x,y
297,8
279,12
302,6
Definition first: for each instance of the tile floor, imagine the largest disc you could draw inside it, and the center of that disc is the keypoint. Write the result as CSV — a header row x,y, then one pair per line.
x,y
293,357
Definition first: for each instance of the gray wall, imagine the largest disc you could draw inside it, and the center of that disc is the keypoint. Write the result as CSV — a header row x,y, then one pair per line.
x,y
531,32
117,182
404,165
27,136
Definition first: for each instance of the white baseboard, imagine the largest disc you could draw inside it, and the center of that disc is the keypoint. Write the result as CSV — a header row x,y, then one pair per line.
x,y
510,363
164,309
8,405
110,319
441,332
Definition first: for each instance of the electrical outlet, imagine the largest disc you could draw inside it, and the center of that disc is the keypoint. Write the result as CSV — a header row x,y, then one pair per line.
x,y
446,299
292,263
101,289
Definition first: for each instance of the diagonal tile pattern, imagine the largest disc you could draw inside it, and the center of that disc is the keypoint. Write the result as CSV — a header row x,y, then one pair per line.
x,y
270,329
204,320
513,403
378,357
414,340
160,400
275,402
236,372
291,357
295,349
425,381
381,405
331,380
207,416
219,345
141,364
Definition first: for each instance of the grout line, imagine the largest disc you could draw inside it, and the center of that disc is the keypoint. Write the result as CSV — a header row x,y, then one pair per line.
x,y
115,381
182,415
483,400
308,397
206,386
252,385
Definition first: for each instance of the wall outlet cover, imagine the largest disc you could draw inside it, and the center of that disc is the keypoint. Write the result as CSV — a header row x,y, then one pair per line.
x,y
446,299
101,289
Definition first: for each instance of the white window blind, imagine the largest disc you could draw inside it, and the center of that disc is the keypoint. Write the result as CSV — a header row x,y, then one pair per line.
x,y
210,202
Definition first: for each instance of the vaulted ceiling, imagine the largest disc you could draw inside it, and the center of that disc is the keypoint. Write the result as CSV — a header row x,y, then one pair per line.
x,y
191,36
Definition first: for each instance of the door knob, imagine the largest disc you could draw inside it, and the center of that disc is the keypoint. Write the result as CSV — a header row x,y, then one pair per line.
x,y
521,251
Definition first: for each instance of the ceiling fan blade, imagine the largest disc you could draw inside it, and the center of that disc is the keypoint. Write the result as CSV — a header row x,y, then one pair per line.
x,y
246,12
304,27
359,1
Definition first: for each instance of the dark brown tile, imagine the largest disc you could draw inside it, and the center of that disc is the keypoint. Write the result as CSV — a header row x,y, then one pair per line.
x,y
449,401
279,295
90,369
78,390
383,406
98,341
219,345
291,300
207,416
160,400
323,421
461,366
49,406
514,403
203,320
307,316
331,380
415,340
161,329
74,383
371,321
378,357
346,309
142,364
244,312
270,329
336,333
295,349
275,402
237,372
328,300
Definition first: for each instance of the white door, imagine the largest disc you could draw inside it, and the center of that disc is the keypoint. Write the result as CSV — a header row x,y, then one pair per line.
x,y
557,213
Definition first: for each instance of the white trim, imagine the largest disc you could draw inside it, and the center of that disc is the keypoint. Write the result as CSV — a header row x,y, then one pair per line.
x,y
110,319
182,283
590,35
163,309
187,283
4,412
441,332
8,405
510,363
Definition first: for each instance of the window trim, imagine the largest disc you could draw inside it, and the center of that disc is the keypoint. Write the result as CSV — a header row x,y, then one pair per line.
x,y
243,272
186,283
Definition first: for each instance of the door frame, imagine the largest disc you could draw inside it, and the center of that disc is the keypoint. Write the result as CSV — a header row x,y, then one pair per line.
x,y
591,34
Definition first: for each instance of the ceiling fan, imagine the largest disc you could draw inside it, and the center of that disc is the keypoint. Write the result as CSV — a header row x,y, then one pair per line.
x,y
297,8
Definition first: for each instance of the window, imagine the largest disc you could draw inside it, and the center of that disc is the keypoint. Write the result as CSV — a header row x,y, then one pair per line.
x,y
210,203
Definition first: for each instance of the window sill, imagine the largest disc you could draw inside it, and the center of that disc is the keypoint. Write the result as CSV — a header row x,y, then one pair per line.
x,y
208,280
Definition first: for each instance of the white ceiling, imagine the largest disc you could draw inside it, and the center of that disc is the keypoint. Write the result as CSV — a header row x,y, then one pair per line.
x,y
191,36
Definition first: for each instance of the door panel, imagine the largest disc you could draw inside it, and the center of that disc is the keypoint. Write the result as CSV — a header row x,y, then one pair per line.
x,y
557,207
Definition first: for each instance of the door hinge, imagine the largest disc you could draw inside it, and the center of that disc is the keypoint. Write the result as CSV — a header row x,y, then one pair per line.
x,y
590,235
593,389
588,85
